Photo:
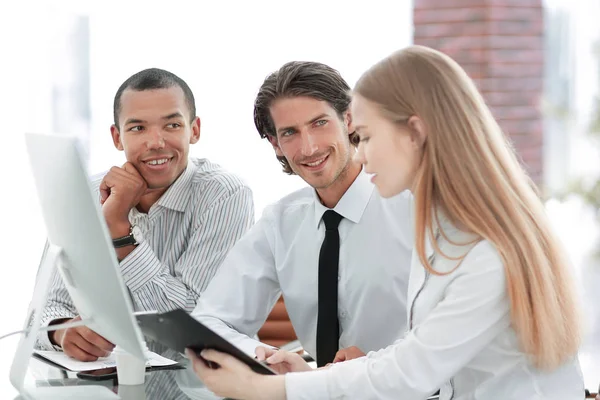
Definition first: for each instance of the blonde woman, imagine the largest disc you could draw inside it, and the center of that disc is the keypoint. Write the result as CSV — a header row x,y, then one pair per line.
x,y
491,305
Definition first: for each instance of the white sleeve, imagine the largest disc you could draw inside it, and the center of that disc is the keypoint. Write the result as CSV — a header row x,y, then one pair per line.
x,y
474,310
238,300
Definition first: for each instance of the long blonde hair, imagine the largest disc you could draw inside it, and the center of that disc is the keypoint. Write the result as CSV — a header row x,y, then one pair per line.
x,y
470,172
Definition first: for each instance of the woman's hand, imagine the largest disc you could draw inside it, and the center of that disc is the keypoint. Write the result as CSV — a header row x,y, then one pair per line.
x,y
235,379
281,361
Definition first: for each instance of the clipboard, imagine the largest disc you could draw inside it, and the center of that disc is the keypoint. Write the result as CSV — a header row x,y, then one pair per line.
x,y
178,330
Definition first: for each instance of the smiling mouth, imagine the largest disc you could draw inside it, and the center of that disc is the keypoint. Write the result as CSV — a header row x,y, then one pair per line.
x,y
158,162
316,163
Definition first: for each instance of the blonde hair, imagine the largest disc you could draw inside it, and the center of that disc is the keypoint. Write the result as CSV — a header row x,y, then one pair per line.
x,y
470,173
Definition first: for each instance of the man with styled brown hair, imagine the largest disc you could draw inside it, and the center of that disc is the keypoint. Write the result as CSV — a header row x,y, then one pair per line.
x,y
336,250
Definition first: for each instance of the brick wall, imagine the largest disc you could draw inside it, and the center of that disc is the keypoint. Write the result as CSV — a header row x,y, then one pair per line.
x,y
500,45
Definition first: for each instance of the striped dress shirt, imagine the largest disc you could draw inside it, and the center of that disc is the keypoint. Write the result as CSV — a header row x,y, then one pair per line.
x,y
186,235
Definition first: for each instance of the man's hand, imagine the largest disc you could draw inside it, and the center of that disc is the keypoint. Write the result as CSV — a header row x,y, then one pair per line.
x,y
349,353
120,191
82,343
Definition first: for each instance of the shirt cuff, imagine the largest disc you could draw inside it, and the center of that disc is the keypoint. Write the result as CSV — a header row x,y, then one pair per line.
x,y
307,385
140,267
43,338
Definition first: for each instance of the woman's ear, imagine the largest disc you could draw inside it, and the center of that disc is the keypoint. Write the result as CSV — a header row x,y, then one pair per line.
x,y
417,131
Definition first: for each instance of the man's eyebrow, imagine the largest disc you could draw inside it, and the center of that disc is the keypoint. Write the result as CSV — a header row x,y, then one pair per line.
x,y
318,117
134,121
174,115
285,128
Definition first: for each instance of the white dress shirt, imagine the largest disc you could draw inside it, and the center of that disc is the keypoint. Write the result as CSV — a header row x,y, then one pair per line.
x,y
461,341
186,235
280,254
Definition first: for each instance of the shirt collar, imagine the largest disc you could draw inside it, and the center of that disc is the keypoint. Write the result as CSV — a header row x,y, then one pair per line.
x,y
352,204
176,196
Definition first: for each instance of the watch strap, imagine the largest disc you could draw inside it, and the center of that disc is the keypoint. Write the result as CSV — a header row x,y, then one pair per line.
x,y
123,241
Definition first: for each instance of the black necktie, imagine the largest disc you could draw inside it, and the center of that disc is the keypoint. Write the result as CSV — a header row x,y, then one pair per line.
x,y
328,326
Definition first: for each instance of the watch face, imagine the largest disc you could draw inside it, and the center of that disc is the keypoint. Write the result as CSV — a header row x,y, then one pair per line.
x,y
137,234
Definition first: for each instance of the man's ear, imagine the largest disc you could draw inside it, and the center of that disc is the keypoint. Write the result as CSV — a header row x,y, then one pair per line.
x,y
348,122
195,131
116,136
418,133
275,143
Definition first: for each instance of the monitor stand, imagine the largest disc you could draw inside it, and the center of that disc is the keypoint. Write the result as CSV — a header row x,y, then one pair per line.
x,y
52,258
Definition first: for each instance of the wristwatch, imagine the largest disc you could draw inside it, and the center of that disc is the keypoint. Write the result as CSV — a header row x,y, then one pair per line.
x,y
134,238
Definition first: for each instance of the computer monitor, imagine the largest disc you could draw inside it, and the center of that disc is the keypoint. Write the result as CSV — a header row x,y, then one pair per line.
x,y
79,246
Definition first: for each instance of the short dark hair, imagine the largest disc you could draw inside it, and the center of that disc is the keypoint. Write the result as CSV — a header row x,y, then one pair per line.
x,y
300,78
154,78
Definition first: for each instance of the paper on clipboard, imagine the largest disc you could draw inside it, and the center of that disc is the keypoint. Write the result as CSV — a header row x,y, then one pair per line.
x,y
71,364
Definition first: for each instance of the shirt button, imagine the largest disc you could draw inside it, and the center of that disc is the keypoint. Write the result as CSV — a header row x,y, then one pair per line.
x,y
343,314
339,278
